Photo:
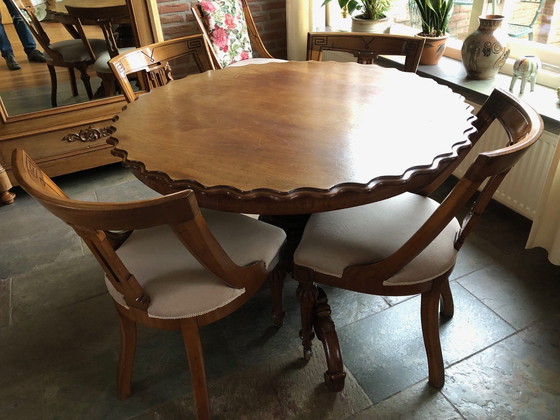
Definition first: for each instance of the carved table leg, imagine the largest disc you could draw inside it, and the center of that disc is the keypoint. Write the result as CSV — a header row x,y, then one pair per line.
x,y
326,332
276,287
6,196
307,295
293,225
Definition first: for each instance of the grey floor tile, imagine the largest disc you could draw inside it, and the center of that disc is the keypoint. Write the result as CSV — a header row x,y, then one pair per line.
x,y
519,289
54,286
5,301
385,352
519,378
419,402
278,388
32,237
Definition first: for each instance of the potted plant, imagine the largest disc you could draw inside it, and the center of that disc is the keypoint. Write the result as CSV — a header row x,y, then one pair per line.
x,y
372,15
434,16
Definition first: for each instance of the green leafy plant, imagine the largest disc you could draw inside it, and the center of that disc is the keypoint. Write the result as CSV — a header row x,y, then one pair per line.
x,y
434,15
369,9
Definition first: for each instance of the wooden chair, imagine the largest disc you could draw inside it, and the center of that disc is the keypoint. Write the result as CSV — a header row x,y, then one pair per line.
x,y
170,266
105,17
407,244
152,62
366,47
72,53
256,46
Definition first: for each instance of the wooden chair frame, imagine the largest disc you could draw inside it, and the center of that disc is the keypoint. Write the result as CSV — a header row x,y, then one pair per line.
x,y
96,223
366,47
151,62
105,17
523,126
256,42
54,58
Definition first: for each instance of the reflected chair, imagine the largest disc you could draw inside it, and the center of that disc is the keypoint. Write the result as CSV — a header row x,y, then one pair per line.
x,y
105,17
238,46
167,264
366,47
407,244
73,54
525,25
152,62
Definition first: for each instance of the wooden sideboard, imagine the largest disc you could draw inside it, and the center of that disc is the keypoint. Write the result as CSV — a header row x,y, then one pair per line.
x,y
71,138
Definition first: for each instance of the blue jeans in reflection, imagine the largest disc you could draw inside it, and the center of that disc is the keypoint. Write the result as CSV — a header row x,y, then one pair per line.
x,y
22,30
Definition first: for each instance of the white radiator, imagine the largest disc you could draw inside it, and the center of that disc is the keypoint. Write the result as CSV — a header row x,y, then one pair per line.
x,y
521,189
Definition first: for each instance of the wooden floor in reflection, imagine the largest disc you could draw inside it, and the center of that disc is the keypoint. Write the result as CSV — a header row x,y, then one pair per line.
x,y
29,89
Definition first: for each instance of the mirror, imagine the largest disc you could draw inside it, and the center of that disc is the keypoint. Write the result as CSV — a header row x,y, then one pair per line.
x,y
29,89
72,137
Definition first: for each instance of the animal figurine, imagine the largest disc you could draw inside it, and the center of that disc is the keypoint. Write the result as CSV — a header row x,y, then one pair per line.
x,y
526,69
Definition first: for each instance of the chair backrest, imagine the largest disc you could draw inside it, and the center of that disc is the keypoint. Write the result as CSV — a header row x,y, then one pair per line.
x,y
152,62
366,47
214,33
104,17
526,13
523,127
96,223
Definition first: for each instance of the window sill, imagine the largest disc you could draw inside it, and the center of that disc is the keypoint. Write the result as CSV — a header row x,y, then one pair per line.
x,y
451,73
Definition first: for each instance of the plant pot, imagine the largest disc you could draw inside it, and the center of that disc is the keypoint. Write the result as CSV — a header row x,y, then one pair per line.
x,y
433,49
485,51
372,26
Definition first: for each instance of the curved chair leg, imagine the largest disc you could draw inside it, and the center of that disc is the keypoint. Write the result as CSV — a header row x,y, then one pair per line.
x,y
85,79
276,291
126,357
307,295
73,84
191,338
326,332
430,332
54,85
447,305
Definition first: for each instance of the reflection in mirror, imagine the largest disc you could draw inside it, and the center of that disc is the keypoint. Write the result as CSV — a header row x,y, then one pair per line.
x,y
29,89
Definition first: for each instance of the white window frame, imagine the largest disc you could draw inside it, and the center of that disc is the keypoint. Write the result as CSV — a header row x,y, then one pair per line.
x,y
549,55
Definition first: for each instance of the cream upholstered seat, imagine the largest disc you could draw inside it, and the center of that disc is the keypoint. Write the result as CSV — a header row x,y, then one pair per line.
x,y
167,264
235,41
162,275
335,240
407,244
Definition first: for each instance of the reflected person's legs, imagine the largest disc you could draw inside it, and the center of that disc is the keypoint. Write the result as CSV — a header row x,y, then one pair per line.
x,y
24,34
6,49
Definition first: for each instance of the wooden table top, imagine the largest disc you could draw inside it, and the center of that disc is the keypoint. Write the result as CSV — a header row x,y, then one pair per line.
x,y
296,137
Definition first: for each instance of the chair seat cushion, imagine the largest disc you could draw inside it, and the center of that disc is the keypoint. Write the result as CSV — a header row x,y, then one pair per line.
x,y
178,286
227,30
367,234
74,51
257,61
101,65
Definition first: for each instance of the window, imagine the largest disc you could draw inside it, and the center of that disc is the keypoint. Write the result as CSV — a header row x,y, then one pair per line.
x,y
533,25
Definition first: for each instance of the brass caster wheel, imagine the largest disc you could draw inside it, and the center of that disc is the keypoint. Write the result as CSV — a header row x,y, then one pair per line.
x,y
307,353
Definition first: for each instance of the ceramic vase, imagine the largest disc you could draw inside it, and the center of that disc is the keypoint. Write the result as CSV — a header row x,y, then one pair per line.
x,y
485,51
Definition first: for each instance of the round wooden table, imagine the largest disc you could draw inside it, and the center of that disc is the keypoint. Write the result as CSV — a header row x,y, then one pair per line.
x,y
295,137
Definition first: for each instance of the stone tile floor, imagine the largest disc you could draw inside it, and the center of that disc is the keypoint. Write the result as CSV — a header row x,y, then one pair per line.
x,y
59,335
